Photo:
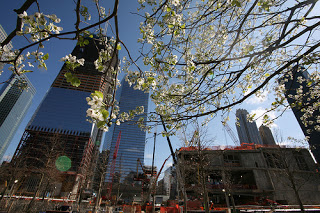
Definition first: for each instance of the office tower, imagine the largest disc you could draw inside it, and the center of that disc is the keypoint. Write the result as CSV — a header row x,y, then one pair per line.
x,y
58,137
300,80
15,99
266,135
3,36
132,142
247,131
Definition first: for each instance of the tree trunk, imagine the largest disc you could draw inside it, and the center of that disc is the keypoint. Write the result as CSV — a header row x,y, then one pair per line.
x,y
179,173
31,203
295,191
97,204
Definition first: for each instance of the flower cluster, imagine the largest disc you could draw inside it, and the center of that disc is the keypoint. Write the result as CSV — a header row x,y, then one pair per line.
x,y
97,111
39,25
175,2
73,60
18,60
101,64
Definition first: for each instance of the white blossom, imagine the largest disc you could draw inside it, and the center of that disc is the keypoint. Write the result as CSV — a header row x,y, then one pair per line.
x,y
22,15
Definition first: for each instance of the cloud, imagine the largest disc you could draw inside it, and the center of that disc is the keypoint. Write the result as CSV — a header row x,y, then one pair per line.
x,y
168,164
148,156
7,157
258,99
259,115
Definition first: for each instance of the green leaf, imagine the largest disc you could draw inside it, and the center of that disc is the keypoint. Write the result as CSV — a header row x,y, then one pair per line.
x,y
68,75
101,124
99,94
150,79
235,2
24,71
170,26
250,48
86,42
183,26
44,66
119,47
168,9
105,113
90,36
75,81
46,56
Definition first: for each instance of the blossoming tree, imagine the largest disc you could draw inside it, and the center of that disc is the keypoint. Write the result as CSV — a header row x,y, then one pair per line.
x,y
201,57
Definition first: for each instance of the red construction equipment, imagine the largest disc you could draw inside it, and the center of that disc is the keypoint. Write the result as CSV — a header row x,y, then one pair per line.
x,y
113,164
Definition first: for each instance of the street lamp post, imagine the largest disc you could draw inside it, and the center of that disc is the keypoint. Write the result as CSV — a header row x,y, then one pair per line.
x,y
227,200
12,187
10,194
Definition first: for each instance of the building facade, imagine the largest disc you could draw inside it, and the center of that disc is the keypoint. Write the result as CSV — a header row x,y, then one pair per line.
x,y
299,79
247,131
252,175
170,183
266,135
15,100
133,139
3,36
58,136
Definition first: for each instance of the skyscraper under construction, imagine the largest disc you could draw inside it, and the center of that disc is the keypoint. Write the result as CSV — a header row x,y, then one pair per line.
x,y
58,137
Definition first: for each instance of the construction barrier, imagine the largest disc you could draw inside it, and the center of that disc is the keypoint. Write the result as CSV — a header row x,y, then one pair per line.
x,y
169,210
131,209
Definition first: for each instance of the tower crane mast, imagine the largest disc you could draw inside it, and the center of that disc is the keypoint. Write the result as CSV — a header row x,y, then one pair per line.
x,y
231,133
113,164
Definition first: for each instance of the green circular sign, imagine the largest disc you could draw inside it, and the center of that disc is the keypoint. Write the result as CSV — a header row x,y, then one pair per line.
x,y
63,163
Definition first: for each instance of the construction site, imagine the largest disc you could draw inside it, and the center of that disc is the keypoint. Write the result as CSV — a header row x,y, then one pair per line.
x,y
221,178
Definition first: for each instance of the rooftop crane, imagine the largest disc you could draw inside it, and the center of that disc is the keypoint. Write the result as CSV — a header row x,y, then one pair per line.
x,y
113,164
231,133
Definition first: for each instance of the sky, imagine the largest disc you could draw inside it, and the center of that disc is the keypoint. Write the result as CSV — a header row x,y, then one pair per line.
x,y
129,33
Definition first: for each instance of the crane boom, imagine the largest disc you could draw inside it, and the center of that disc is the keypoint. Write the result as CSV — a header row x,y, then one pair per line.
x,y
113,164
231,133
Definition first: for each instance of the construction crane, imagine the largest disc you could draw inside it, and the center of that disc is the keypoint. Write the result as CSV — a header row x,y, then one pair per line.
x,y
113,165
139,177
145,177
231,133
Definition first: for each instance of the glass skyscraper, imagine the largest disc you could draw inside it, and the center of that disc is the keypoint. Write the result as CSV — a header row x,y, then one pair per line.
x,y
247,131
59,131
266,135
3,36
133,139
300,80
15,100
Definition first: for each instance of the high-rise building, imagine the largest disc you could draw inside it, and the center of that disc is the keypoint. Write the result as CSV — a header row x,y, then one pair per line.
x,y
15,99
133,139
266,135
300,80
58,135
3,35
247,131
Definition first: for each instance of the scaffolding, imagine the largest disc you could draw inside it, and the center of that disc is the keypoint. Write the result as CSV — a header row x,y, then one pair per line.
x,y
37,149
